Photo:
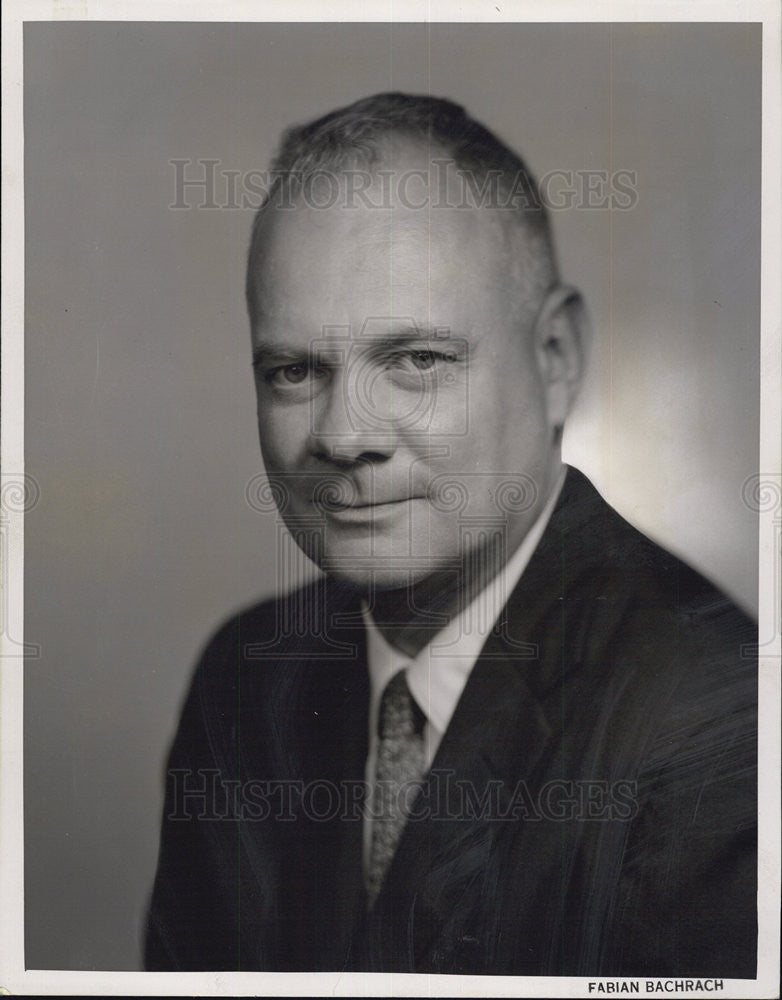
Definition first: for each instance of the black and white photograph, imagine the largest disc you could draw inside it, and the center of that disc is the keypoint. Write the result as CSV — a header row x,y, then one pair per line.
x,y
391,501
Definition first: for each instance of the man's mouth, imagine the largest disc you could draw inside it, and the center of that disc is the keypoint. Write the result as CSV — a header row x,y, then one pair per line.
x,y
362,511
373,503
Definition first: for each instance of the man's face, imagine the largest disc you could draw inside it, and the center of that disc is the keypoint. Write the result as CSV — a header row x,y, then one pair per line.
x,y
403,408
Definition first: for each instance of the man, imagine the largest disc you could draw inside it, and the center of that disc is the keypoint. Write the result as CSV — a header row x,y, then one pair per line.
x,y
504,732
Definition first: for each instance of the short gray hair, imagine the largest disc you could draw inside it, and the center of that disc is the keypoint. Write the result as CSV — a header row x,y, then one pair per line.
x,y
357,136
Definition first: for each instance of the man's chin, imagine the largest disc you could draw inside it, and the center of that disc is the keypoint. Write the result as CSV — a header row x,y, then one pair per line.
x,y
398,557
382,575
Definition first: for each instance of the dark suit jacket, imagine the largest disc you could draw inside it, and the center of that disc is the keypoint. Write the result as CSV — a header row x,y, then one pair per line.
x,y
591,809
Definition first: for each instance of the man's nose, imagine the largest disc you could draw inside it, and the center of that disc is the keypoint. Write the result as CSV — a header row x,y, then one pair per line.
x,y
352,419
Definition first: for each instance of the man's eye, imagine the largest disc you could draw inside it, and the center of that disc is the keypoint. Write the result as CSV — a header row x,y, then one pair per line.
x,y
292,374
422,360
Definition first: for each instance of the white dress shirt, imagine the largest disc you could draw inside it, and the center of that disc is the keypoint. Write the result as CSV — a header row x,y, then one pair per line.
x,y
438,674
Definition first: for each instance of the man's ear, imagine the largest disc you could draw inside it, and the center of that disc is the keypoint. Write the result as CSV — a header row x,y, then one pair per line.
x,y
562,333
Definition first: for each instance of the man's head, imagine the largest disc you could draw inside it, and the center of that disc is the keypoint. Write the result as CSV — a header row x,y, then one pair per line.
x,y
415,355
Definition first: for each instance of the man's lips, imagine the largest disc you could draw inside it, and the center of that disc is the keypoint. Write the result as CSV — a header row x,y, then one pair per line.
x,y
374,503
362,510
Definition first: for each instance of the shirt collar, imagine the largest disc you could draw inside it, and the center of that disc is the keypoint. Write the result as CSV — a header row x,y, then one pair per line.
x,y
438,673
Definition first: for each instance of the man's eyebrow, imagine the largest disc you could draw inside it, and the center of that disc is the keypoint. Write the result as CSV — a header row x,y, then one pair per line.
x,y
437,337
264,352
397,336
403,334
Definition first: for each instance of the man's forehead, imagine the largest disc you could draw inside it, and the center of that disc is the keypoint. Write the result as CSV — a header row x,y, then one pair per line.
x,y
381,227
345,262
388,252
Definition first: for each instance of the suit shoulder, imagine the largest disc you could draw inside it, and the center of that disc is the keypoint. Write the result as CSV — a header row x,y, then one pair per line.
x,y
261,622
226,662
610,553
303,606
306,624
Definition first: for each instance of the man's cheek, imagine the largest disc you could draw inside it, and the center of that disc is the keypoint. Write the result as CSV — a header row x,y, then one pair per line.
x,y
282,446
434,534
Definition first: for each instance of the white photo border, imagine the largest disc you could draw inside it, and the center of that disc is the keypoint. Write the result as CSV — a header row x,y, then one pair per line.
x,y
14,978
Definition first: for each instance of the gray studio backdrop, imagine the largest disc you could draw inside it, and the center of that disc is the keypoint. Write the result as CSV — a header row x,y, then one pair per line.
x,y
139,400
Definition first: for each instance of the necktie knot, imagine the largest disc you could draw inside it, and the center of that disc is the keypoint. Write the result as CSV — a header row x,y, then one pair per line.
x,y
399,713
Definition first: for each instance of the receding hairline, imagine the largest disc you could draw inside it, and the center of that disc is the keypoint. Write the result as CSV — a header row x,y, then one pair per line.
x,y
529,260
367,135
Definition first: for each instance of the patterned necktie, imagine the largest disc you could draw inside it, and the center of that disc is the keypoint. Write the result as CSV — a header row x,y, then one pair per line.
x,y
401,762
